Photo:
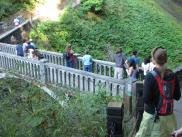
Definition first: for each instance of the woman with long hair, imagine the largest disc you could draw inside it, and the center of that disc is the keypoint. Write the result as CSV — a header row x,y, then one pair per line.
x,y
131,70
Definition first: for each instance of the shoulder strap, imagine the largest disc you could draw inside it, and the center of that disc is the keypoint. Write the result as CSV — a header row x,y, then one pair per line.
x,y
154,73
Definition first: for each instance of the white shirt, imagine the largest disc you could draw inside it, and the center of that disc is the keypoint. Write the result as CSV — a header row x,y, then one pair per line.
x,y
147,67
87,59
152,66
16,22
30,53
24,46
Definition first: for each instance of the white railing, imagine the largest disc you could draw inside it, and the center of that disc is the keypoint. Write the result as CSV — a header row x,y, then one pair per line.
x,y
12,29
8,48
99,67
26,67
50,73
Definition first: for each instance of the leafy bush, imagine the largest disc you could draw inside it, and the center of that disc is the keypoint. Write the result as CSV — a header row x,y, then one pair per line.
x,y
132,25
92,5
8,7
26,111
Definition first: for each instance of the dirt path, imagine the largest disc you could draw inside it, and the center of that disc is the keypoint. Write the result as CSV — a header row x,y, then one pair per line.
x,y
172,7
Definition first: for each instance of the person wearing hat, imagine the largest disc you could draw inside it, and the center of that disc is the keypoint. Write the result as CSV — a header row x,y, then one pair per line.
x,y
161,88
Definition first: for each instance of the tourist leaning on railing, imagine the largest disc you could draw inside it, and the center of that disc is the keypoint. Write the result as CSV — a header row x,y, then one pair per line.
x,y
87,62
68,56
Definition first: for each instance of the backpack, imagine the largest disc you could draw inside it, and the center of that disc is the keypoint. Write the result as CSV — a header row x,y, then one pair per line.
x,y
166,89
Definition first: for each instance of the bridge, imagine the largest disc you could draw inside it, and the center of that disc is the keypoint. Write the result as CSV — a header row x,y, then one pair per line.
x,y
52,70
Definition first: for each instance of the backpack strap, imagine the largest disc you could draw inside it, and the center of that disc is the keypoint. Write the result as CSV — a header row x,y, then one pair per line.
x,y
161,85
156,114
154,73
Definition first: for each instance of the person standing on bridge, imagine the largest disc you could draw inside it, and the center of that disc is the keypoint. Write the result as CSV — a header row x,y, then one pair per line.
x,y
19,49
135,58
120,59
160,89
87,62
29,50
68,56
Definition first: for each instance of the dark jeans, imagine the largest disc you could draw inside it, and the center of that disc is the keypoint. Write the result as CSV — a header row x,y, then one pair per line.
x,y
20,55
88,68
70,64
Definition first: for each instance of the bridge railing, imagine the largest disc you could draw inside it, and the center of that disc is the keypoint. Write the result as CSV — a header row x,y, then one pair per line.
x,y
50,73
99,67
26,67
7,48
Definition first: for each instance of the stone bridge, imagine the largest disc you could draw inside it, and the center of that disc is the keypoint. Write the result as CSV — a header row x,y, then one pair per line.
x,y
52,70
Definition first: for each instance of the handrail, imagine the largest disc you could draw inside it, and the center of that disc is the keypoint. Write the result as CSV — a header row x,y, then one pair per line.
x,y
99,66
50,73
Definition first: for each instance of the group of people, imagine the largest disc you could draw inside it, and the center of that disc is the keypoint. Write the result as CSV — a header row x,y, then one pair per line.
x,y
161,88
123,64
131,65
26,47
71,59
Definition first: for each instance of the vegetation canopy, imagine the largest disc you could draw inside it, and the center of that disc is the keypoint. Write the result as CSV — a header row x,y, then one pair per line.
x,y
133,25
26,111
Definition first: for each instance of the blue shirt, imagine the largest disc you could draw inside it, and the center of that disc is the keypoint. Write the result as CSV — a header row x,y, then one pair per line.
x,y
87,60
135,59
19,50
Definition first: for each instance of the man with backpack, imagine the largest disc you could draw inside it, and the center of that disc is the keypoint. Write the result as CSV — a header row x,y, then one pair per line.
x,y
160,89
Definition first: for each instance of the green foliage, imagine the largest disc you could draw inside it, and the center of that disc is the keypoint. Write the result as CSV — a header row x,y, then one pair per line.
x,y
133,25
8,7
25,111
92,5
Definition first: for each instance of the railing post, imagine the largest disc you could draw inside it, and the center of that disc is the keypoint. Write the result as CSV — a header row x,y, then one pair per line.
x,y
43,71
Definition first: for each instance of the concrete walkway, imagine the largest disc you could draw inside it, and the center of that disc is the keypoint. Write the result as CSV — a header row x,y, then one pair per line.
x,y
178,112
